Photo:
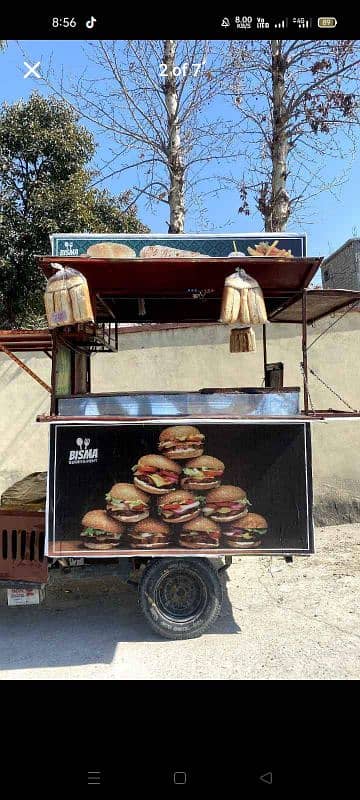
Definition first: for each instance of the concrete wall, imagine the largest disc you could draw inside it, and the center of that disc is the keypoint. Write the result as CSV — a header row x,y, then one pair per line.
x,y
196,358
23,442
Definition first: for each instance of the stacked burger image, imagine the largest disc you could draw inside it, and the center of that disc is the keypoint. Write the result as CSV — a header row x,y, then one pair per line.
x,y
176,499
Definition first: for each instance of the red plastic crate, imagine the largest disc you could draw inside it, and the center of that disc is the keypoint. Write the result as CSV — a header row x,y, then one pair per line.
x,y
22,543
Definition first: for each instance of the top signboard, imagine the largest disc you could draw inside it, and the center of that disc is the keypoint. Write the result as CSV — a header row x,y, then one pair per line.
x,y
213,245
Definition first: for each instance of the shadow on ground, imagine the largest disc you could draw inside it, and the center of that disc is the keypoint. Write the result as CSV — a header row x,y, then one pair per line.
x,y
80,623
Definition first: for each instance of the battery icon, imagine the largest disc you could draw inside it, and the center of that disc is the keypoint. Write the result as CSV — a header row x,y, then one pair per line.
x,y
327,22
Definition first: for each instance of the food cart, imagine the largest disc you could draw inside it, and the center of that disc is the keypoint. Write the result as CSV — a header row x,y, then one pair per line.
x,y
181,482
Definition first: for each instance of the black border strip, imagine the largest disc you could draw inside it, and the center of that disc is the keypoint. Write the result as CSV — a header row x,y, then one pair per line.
x,y
152,24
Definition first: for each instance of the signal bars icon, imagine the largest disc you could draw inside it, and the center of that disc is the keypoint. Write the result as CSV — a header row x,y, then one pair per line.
x,y
282,24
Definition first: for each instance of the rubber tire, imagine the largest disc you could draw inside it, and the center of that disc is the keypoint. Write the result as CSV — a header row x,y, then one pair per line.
x,y
169,628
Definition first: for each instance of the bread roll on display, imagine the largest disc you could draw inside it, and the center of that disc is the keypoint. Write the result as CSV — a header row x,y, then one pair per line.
x,y
67,298
244,315
73,295
160,251
236,306
81,305
63,308
49,305
110,250
260,303
252,308
227,304
242,300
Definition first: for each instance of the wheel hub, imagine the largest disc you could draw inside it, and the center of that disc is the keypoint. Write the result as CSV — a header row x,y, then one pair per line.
x,y
181,596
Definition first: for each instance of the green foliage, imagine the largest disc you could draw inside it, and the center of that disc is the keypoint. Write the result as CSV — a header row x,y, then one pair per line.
x,y
45,186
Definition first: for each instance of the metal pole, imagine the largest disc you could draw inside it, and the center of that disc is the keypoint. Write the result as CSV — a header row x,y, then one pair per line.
x,y
265,351
88,373
53,372
304,351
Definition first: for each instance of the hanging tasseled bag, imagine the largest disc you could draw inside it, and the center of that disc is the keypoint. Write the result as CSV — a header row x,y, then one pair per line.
x,y
242,300
242,340
67,298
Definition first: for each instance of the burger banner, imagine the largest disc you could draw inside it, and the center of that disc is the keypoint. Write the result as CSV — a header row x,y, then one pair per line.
x,y
202,487
154,245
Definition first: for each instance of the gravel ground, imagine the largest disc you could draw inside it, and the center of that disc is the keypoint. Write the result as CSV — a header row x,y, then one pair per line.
x,y
281,622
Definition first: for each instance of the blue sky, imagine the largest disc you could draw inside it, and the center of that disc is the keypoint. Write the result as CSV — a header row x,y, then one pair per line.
x,y
330,224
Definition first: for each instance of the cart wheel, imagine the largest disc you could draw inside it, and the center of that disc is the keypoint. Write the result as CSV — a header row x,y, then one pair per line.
x,y
180,598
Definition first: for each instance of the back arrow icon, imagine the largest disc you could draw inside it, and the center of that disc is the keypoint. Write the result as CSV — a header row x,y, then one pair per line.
x,y
266,778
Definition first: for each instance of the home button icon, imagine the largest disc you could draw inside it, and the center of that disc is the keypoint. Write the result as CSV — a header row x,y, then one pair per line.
x,y
179,777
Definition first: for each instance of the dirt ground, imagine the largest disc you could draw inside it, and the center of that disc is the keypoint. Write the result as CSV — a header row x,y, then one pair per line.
x,y
279,622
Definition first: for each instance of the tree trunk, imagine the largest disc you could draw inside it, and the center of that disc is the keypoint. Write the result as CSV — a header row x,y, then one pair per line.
x,y
175,163
278,209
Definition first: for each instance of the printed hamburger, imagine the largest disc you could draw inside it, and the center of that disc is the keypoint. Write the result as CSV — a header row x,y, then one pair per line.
x,y
179,506
156,474
149,535
200,533
226,504
126,503
181,441
203,473
101,532
247,532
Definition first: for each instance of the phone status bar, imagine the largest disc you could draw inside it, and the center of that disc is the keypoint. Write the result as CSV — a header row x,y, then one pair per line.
x,y
148,25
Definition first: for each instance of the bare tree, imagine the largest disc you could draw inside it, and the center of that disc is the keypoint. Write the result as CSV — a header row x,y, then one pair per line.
x,y
174,154
155,100
298,104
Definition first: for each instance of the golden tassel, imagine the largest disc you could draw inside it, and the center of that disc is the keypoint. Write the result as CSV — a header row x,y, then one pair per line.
x,y
242,340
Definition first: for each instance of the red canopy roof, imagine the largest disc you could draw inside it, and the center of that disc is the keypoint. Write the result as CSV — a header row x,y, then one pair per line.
x,y
180,289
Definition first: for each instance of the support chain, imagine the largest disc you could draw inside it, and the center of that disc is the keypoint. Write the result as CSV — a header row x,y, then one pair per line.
x,y
332,390
336,321
349,308
307,387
